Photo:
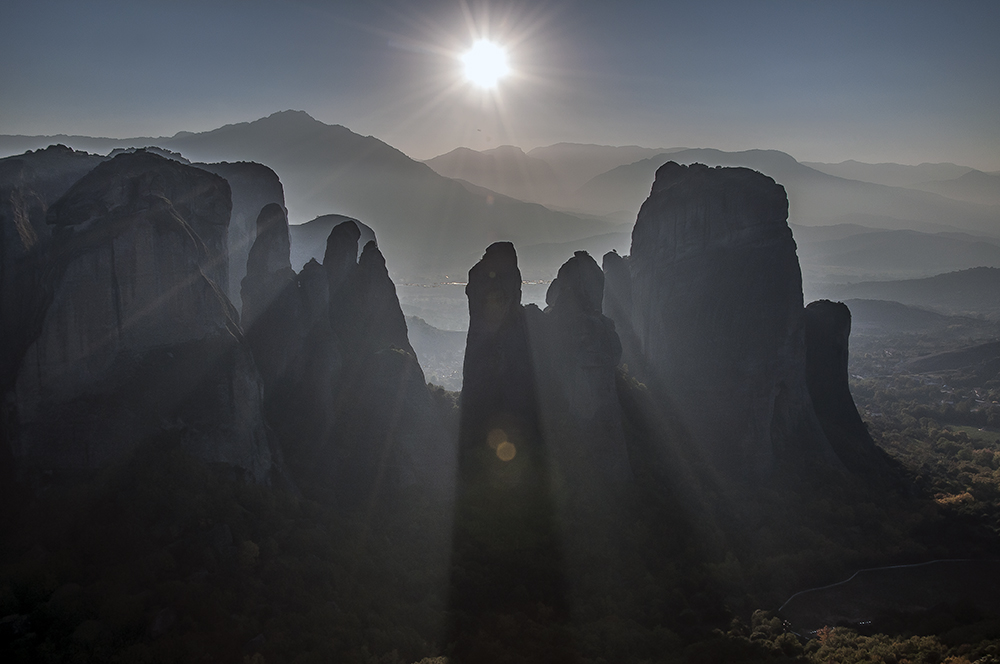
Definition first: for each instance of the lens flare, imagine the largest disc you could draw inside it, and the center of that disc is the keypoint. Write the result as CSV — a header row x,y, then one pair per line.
x,y
506,450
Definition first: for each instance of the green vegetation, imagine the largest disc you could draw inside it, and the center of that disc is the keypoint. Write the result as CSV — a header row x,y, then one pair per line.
x,y
943,427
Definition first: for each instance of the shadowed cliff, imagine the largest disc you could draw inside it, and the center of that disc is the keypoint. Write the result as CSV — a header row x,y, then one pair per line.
x,y
710,306
136,335
343,389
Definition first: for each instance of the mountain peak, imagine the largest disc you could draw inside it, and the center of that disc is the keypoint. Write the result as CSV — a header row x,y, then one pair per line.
x,y
505,150
292,115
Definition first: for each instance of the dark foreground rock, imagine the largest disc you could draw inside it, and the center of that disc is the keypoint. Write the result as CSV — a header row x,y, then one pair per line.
x,y
138,338
828,330
253,186
29,185
715,307
343,388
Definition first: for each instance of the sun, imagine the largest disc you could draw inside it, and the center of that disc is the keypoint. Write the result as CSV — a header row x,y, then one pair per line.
x,y
485,63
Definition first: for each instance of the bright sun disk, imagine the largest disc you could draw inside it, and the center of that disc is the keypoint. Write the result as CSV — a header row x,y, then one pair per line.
x,y
485,63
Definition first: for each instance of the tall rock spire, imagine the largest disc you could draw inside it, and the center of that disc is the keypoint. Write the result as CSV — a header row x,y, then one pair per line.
x,y
717,313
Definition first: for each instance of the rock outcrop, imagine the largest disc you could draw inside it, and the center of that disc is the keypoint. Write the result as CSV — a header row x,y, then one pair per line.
x,y
500,421
253,186
718,317
29,184
541,383
576,351
828,330
617,306
343,388
138,337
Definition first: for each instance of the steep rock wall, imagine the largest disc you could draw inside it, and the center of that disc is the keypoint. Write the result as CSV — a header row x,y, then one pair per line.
x,y
253,187
827,332
139,339
343,387
717,312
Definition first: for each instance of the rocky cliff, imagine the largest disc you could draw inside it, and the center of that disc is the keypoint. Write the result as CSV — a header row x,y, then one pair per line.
x,y
576,352
500,419
717,313
541,384
343,389
29,184
138,337
253,186
827,332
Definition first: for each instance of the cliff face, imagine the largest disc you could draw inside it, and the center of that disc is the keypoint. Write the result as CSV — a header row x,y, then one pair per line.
x,y
253,187
541,382
29,184
499,395
617,306
138,337
827,331
577,349
717,313
343,389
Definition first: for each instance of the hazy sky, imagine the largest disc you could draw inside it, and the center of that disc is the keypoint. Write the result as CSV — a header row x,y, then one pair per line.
x,y
873,80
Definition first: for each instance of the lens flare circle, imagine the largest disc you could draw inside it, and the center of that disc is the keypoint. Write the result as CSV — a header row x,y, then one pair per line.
x,y
506,451
485,63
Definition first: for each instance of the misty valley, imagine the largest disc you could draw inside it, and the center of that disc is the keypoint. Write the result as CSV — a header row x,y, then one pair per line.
x,y
277,392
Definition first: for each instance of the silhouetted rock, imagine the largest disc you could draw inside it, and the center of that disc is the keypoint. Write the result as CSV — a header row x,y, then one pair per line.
x,y
142,181
576,352
828,329
138,338
717,312
498,385
269,295
29,184
618,306
343,388
309,239
253,186
544,382
340,262
505,470
387,424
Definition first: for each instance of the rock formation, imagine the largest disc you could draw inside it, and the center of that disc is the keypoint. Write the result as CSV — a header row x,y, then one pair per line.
x,y
576,351
827,330
253,186
617,306
29,184
499,394
542,383
343,388
717,314
138,337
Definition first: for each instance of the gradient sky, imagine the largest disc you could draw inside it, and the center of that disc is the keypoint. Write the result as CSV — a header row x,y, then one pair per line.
x,y
873,80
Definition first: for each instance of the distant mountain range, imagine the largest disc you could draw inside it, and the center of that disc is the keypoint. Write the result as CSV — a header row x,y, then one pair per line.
x,y
974,292
506,170
974,186
815,198
851,221
882,317
867,254
891,175
427,225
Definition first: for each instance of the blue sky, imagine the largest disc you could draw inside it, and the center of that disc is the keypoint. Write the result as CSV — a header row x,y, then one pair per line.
x,y
875,81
